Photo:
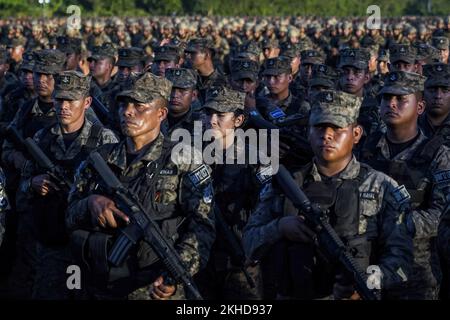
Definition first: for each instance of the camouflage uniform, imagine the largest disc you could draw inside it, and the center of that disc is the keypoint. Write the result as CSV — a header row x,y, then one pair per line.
x,y
422,167
438,76
128,57
214,79
53,254
8,81
376,234
28,120
14,100
300,84
236,188
103,93
292,104
181,196
369,115
183,79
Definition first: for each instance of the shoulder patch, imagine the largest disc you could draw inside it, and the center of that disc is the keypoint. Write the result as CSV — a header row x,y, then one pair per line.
x,y
199,175
401,195
264,174
277,113
442,176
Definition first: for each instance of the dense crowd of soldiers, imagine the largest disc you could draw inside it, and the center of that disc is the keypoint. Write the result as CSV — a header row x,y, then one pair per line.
x,y
363,116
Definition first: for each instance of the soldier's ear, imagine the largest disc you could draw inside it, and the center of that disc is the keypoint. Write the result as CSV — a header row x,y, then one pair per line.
x,y
194,94
87,102
421,104
357,133
366,77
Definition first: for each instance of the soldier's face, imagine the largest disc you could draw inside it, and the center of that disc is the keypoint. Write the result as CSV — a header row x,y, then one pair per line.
x,y
26,77
271,53
100,68
17,52
244,85
400,110
196,58
437,101
124,72
295,64
278,84
405,66
180,101
382,67
353,80
72,60
44,84
222,124
160,67
306,71
443,54
332,144
71,111
141,119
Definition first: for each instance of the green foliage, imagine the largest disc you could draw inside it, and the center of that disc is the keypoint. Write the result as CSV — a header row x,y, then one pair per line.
x,y
20,8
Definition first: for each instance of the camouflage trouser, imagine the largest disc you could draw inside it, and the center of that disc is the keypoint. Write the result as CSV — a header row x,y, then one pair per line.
x,y
51,276
229,284
21,280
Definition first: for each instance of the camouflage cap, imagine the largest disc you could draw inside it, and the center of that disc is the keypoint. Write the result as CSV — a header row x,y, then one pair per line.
x,y
71,85
383,55
223,99
402,83
27,61
4,55
289,50
323,75
68,45
106,50
276,66
49,61
270,43
358,58
335,107
182,78
440,43
426,52
249,49
311,57
17,42
244,69
403,52
145,87
130,57
167,53
438,75
199,44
